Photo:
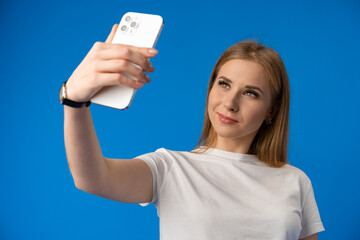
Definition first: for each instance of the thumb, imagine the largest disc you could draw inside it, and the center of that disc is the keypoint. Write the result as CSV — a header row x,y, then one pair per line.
x,y
112,34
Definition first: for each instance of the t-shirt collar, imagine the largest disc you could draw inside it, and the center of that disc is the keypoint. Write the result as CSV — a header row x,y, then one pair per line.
x,y
231,155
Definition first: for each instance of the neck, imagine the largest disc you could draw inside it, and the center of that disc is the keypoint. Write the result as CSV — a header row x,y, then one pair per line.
x,y
239,145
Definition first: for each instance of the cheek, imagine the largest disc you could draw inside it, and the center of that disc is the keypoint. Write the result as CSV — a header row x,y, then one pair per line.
x,y
211,101
255,114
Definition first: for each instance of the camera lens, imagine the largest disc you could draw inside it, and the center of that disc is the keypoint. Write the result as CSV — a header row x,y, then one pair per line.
x,y
127,18
123,28
133,24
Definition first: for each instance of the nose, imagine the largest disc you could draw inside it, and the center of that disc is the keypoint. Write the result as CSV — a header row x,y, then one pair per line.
x,y
231,102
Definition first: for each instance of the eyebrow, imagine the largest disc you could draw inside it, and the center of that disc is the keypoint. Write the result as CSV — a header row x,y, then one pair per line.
x,y
247,86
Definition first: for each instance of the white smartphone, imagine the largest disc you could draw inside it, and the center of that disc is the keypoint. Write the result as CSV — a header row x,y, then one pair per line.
x,y
136,29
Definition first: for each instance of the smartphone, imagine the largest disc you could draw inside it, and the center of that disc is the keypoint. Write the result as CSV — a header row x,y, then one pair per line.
x,y
136,29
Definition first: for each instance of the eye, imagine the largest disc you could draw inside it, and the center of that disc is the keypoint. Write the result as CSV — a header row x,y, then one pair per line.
x,y
251,93
223,84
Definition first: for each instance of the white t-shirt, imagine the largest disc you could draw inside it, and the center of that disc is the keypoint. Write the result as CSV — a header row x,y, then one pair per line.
x,y
226,195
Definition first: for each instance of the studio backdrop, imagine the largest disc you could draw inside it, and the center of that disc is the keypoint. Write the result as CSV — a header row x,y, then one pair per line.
x,y
42,42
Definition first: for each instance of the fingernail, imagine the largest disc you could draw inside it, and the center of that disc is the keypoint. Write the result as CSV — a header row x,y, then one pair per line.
x,y
139,84
151,68
147,78
152,51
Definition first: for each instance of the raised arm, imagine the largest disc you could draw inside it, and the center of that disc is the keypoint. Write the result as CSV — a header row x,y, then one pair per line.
x,y
124,180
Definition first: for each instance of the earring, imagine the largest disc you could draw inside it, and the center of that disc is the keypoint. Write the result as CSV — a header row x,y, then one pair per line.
x,y
268,121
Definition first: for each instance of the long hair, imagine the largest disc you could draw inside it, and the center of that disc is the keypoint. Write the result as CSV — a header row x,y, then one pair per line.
x,y
270,142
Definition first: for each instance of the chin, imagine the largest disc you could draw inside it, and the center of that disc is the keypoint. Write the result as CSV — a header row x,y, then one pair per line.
x,y
227,133
234,134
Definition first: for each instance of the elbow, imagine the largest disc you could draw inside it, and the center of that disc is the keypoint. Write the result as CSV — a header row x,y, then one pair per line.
x,y
89,187
84,187
78,185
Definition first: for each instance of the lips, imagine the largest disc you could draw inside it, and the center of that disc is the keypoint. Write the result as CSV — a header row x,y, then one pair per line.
x,y
226,119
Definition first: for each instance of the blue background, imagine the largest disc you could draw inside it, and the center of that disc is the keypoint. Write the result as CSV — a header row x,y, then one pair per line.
x,y
42,42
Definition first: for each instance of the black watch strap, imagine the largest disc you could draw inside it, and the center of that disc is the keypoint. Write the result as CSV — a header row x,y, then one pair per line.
x,y
68,102
74,104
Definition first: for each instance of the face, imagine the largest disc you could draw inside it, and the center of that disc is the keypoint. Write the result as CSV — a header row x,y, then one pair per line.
x,y
239,101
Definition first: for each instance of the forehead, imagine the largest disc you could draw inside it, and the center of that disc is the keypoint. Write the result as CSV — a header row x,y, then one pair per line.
x,y
244,72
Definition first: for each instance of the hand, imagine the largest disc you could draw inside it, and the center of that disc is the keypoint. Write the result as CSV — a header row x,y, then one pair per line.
x,y
105,65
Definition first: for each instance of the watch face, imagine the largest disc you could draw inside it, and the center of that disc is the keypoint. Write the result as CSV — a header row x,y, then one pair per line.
x,y
61,94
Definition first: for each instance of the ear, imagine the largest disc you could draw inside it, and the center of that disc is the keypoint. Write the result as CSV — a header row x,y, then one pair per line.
x,y
273,110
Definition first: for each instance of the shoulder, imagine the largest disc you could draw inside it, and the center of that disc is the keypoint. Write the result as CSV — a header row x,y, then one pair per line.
x,y
163,155
173,153
173,157
299,175
160,153
161,158
296,171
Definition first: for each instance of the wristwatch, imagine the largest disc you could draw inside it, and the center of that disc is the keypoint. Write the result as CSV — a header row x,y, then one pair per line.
x,y
68,102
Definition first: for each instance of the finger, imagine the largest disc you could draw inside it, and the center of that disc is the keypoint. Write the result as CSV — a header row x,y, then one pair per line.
x,y
112,33
112,79
120,66
121,52
145,52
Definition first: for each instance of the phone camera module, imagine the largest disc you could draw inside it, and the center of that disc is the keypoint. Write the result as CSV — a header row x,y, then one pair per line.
x,y
133,24
127,18
123,28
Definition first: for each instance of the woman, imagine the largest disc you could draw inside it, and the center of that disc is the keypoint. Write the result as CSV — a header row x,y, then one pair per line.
x,y
236,184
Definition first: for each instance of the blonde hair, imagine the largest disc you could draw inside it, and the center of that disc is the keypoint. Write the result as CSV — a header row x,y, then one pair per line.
x,y
270,142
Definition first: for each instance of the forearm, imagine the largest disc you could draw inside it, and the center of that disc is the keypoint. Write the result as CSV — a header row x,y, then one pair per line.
x,y
83,149
105,65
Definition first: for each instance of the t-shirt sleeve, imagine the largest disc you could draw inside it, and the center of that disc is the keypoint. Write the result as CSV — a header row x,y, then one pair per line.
x,y
160,164
310,222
